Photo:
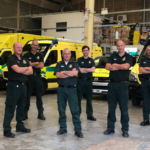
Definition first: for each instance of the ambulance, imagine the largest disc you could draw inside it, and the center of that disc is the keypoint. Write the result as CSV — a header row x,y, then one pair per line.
x,y
6,48
101,75
52,53
136,78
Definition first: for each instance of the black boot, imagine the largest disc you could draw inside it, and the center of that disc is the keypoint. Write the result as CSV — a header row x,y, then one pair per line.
x,y
9,134
125,134
145,123
25,115
41,116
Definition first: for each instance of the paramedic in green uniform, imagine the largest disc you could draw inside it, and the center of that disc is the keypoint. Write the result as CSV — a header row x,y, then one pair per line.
x,y
35,80
118,64
84,84
18,69
66,72
145,71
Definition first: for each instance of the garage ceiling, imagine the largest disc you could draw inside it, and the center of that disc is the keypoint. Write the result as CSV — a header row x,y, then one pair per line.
x,y
54,5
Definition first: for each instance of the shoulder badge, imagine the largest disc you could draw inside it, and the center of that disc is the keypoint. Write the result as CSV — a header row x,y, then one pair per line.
x,y
123,58
70,66
38,57
89,62
24,62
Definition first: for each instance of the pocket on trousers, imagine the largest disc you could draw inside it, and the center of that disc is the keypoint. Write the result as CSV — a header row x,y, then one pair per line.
x,y
9,101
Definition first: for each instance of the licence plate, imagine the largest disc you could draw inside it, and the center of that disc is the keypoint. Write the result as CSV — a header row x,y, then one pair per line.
x,y
97,91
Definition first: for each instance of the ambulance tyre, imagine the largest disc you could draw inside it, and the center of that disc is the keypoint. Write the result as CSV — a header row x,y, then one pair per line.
x,y
43,86
135,101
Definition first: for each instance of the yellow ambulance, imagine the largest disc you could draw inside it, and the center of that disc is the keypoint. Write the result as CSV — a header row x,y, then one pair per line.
x,y
101,75
52,53
6,47
135,79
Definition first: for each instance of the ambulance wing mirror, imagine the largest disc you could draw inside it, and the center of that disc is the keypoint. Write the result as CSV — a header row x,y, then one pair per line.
x,y
55,41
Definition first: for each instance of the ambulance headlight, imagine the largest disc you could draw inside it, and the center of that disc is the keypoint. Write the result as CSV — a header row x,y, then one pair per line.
x,y
95,79
133,77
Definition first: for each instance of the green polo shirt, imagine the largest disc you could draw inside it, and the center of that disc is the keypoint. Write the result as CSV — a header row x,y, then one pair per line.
x,y
61,66
12,75
38,57
145,62
119,75
85,63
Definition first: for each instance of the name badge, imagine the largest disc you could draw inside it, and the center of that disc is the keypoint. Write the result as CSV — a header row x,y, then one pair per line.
x,y
18,62
70,66
144,62
124,59
30,58
62,66
82,62
115,58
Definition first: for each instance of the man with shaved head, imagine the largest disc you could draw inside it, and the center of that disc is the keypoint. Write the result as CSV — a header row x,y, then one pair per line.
x,y
66,72
35,81
144,70
118,64
18,69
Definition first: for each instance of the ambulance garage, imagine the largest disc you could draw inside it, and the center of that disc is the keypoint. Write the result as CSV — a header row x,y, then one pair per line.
x,y
74,74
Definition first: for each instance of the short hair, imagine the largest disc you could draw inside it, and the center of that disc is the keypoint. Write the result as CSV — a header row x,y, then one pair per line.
x,y
147,47
66,49
120,40
35,40
85,46
15,44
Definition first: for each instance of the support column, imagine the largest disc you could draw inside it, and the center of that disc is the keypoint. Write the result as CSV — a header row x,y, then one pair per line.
x,y
18,13
88,31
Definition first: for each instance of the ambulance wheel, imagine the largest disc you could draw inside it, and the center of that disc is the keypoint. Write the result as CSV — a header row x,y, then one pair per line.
x,y
43,86
135,101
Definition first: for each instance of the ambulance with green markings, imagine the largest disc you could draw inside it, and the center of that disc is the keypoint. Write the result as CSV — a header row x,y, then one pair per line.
x,y
136,78
101,75
6,48
52,53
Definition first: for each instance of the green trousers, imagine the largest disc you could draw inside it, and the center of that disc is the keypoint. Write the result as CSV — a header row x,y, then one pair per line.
x,y
70,94
85,86
34,82
146,98
118,92
16,96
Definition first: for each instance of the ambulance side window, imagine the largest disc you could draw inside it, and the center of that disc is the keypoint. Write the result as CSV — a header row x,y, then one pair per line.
x,y
4,57
73,55
52,58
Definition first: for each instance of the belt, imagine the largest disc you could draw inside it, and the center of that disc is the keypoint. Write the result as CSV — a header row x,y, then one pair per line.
x,y
85,79
118,81
146,79
18,82
35,73
68,86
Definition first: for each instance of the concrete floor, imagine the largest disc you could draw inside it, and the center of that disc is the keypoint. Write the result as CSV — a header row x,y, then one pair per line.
x,y
43,135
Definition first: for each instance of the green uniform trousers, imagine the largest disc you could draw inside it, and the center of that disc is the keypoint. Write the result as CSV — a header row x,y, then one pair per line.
x,y
118,92
16,96
146,98
70,94
85,86
34,82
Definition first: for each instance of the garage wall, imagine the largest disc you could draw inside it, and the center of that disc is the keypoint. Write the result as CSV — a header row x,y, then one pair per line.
x,y
116,5
9,8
